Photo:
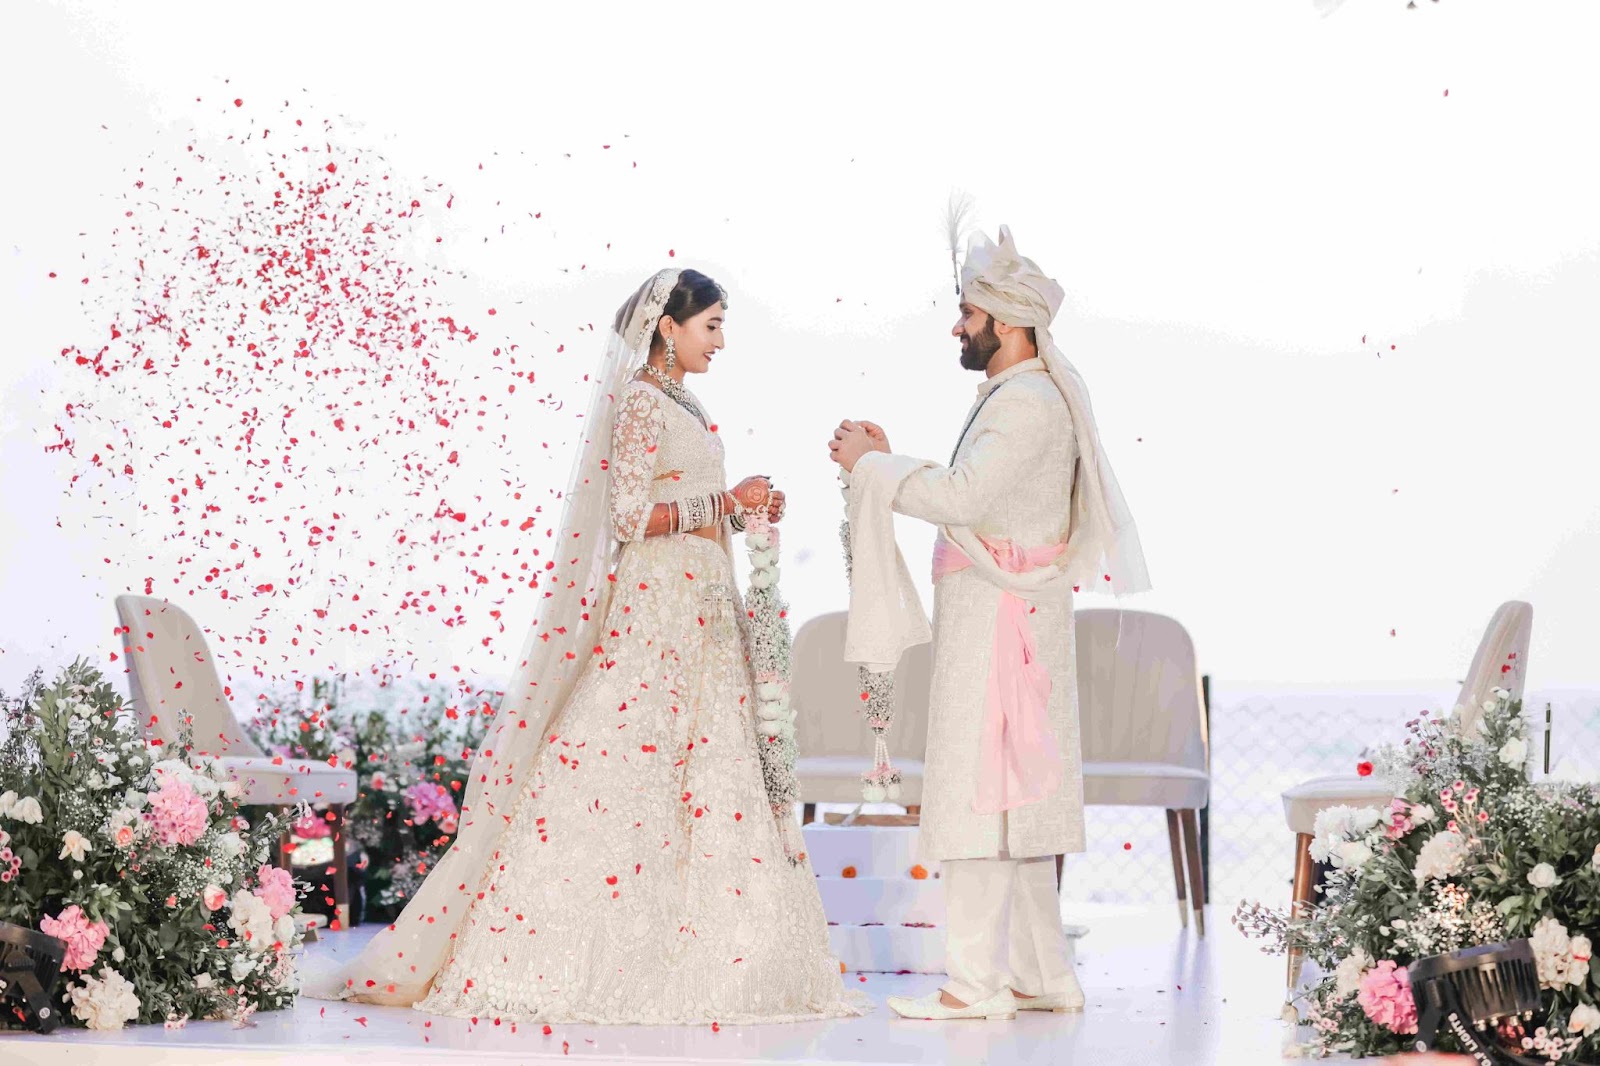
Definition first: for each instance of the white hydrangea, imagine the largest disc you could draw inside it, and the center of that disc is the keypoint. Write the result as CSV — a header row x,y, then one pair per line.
x,y
252,920
1443,856
1347,976
1351,855
1346,821
104,1002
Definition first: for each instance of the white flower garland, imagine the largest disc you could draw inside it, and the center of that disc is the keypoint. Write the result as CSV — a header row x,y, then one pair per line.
x,y
771,663
882,782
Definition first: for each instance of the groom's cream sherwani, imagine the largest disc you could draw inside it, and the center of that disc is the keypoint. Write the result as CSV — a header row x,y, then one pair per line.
x,y
1011,480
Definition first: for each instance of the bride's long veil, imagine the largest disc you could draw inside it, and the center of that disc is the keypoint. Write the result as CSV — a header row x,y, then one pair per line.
x,y
399,964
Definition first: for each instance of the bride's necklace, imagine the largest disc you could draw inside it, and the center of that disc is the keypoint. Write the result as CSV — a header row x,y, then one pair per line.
x,y
675,391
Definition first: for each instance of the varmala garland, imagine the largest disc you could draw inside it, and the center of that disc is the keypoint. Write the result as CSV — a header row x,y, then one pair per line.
x,y
771,663
882,782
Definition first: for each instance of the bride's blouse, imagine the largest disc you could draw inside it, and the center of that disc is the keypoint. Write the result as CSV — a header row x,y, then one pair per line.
x,y
659,453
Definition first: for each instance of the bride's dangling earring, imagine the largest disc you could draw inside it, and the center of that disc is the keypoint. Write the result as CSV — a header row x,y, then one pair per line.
x,y
672,355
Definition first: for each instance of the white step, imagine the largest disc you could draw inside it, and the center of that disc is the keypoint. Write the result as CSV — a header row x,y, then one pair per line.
x,y
874,850
883,900
888,948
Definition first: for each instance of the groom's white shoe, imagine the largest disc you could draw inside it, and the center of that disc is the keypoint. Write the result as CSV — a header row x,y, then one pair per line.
x,y
1068,1001
1002,1006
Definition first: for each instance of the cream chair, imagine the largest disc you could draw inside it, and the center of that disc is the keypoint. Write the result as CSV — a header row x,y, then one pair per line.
x,y
1143,720
172,680
1500,662
835,743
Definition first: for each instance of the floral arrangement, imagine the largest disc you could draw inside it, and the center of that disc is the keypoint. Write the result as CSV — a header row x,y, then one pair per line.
x,y
411,751
882,782
771,662
1470,852
136,856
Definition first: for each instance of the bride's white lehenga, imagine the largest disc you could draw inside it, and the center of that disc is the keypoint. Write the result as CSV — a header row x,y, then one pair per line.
x,y
641,877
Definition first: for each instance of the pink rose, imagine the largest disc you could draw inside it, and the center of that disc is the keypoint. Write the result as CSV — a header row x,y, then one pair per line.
x,y
84,938
213,897
276,890
125,836
449,824
177,814
1385,996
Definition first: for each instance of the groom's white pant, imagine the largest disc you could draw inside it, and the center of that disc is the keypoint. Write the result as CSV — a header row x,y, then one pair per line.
x,y
1003,928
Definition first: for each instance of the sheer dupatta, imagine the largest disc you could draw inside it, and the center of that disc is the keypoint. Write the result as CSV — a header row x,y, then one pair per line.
x,y
398,965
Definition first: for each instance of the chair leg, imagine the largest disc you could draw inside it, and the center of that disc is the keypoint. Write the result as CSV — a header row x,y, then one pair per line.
x,y
808,813
1300,905
914,810
1197,882
285,848
341,868
1061,865
1175,841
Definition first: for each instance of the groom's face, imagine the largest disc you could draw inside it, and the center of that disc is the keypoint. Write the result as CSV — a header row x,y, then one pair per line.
x,y
975,330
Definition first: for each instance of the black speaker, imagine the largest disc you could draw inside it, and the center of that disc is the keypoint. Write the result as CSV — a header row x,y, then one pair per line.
x,y
30,969
1469,992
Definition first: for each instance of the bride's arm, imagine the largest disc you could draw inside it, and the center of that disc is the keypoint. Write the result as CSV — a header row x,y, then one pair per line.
x,y
634,440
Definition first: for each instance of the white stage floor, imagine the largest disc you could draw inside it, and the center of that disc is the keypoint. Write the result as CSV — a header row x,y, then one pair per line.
x,y
1156,994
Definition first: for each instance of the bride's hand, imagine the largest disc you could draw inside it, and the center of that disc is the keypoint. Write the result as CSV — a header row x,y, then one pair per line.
x,y
880,439
775,505
753,493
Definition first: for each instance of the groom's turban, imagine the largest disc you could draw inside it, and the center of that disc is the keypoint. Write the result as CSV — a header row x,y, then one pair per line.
x,y
1008,286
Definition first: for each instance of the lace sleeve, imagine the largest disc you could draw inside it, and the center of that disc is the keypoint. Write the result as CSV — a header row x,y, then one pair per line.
x,y
634,438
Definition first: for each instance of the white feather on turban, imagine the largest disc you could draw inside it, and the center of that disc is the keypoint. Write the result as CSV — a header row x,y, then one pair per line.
x,y
1102,540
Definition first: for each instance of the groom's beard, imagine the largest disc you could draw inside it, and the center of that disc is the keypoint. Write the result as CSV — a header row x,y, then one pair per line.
x,y
978,348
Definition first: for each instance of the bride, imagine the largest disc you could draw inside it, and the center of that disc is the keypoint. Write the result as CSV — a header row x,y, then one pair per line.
x,y
619,860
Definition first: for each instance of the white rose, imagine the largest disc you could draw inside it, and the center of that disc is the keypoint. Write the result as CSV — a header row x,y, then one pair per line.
x,y
758,541
104,1002
770,690
285,928
118,955
8,802
769,729
1514,752
232,789
1488,705
74,844
1584,1019
1500,693
134,800
241,967
1348,974
230,845
203,981
768,711
1422,814
763,579
28,810
1543,876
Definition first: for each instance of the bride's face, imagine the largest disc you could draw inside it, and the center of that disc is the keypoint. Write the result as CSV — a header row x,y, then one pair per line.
x,y
698,339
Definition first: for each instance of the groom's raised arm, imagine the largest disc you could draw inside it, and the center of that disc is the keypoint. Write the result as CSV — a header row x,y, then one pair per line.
x,y
1009,435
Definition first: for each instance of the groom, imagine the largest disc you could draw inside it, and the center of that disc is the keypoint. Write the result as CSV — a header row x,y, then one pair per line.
x,y
1028,513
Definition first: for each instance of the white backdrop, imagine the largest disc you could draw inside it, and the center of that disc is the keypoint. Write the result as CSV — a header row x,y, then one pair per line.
x,y
1332,280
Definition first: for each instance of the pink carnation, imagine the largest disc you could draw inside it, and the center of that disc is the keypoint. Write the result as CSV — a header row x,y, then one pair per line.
x,y
84,938
1385,996
1399,819
177,814
429,800
276,890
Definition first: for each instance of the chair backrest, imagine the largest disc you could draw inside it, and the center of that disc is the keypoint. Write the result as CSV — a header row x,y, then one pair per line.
x,y
171,675
1501,660
1139,694
827,695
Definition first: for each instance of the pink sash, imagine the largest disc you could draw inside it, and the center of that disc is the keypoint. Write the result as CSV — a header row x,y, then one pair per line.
x,y
1019,759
